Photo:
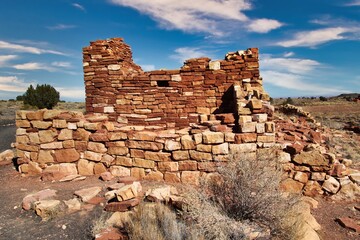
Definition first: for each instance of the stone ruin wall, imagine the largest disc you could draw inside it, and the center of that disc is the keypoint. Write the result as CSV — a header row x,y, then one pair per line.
x,y
175,125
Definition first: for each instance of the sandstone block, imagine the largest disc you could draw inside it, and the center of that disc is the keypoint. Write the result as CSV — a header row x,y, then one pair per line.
x,y
313,158
117,136
85,168
47,208
203,148
180,155
301,177
207,166
154,146
52,145
46,136
138,173
245,119
171,145
248,127
157,156
99,136
51,114
168,166
190,177
318,176
69,144
187,142
260,118
41,124
188,166
66,155
73,205
260,127
29,200
87,194
142,136
119,171
312,189
291,186
136,153
123,161
255,104
154,176
213,137
128,191
65,134
245,138
138,162
59,123
269,127
172,177
93,156
266,138
200,156
34,169
220,149
242,148
81,135
35,115
122,151
22,124
45,156
331,185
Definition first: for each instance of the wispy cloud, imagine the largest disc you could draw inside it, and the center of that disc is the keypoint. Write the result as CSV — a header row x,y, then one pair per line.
x,y
296,74
26,49
4,59
353,3
61,27
184,53
264,25
206,16
79,6
289,54
61,64
73,93
316,37
31,66
147,67
13,84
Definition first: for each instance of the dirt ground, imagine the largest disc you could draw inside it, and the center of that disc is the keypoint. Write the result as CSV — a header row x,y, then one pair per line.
x,y
16,223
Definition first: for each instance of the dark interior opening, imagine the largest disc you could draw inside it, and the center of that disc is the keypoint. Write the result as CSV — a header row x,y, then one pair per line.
x,y
163,83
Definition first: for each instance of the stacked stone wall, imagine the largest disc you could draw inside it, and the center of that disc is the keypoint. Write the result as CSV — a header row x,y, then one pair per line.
x,y
55,144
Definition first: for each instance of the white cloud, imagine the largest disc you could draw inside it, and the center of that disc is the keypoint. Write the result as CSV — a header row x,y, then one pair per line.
x,y
353,3
26,49
316,37
184,53
264,25
34,66
4,59
207,16
290,65
61,64
78,6
13,84
73,93
289,54
147,67
296,82
61,27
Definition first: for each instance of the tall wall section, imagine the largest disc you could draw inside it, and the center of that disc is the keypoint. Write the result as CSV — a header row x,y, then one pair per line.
x,y
117,87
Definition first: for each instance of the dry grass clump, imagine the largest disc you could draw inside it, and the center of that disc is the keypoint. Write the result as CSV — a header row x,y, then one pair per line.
x,y
249,190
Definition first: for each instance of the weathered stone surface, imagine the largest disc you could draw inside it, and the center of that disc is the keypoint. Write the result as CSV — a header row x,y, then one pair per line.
x,y
73,205
143,163
313,158
93,156
45,156
35,115
291,186
100,136
41,124
124,161
168,166
81,135
85,167
119,171
154,176
242,148
34,169
68,144
171,145
122,151
204,148
255,104
47,208
46,136
159,194
355,177
87,194
142,136
312,189
65,134
138,173
51,114
157,156
30,199
117,136
106,176
190,177
187,142
301,177
200,156
59,123
154,146
188,166
52,145
66,155
213,137
7,156
318,176
172,177
122,206
220,149
248,127
22,124
180,155
128,191
99,168
331,185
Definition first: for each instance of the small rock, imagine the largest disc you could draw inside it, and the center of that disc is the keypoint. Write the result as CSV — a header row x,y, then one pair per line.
x,y
331,185
6,156
129,191
73,205
159,194
87,193
30,199
349,223
116,186
63,227
355,177
106,176
122,206
74,177
47,208
110,233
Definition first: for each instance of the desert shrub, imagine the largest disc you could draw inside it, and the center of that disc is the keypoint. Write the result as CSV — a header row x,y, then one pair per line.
x,y
155,221
99,224
43,96
289,100
249,190
321,98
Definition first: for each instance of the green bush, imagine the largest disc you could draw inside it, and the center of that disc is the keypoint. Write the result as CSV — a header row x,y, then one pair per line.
x,y
323,98
43,96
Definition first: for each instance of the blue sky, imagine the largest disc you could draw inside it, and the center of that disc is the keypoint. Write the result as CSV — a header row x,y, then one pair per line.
x,y
307,48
